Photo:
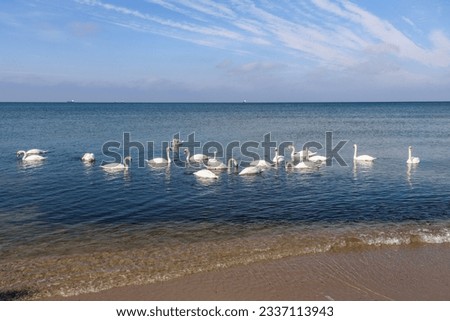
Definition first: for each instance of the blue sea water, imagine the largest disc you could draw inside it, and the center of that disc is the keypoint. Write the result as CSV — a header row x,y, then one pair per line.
x,y
68,228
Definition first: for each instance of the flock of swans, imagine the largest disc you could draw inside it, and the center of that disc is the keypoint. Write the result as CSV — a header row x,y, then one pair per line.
x,y
304,159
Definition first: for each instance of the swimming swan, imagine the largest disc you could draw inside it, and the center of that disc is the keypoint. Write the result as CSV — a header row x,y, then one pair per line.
x,y
261,163
205,173
318,158
361,158
30,158
299,154
278,158
251,170
88,158
118,166
219,165
411,159
305,163
159,161
196,158
214,162
34,151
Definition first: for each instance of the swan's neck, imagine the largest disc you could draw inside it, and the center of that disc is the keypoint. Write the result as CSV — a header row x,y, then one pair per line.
x,y
409,153
356,152
188,155
293,152
306,156
168,155
231,163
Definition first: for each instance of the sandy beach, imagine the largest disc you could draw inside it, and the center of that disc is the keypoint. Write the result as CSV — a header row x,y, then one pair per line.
x,y
391,273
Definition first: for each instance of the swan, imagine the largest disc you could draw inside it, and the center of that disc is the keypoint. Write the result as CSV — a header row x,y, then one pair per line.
x,y
278,158
88,158
160,161
261,163
362,158
34,151
196,158
30,158
214,162
299,154
411,159
318,158
304,163
251,170
218,166
205,173
118,166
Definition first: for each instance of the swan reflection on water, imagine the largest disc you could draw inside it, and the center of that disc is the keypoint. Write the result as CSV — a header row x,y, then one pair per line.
x,y
410,171
361,167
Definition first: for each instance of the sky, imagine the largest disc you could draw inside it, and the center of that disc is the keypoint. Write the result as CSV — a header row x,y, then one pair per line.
x,y
224,51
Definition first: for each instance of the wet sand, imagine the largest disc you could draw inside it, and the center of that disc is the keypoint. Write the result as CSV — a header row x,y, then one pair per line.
x,y
394,273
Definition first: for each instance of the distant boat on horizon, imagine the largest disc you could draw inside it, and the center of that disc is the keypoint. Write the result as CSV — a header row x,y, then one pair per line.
x,y
70,101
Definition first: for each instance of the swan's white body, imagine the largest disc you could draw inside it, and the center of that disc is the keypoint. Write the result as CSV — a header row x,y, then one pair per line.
x,y
219,165
278,158
318,158
305,163
205,173
198,158
301,154
34,151
261,163
160,161
361,158
214,162
411,159
30,158
252,170
117,166
88,158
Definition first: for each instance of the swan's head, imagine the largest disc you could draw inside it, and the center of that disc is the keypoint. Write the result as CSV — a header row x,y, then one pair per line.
x,y
354,146
291,147
127,159
20,153
410,147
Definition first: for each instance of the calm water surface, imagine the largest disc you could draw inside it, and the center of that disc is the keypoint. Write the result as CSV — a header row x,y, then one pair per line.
x,y
67,227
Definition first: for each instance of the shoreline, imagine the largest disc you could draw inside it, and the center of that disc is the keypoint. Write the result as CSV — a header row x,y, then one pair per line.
x,y
388,273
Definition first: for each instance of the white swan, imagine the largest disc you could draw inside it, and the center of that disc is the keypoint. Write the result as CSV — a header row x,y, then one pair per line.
x,y
278,158
34,151
160,161
205,173
214,162
88,158
251,170
30,158
361,158
318,158
118,166
261,163
305,163
196,158
299,154
411,159
219,166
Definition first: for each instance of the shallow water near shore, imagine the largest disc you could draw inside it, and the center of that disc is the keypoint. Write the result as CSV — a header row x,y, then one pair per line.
x,y
68,228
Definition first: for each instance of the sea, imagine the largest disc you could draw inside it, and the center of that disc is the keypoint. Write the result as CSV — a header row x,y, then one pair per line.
x,y
67,227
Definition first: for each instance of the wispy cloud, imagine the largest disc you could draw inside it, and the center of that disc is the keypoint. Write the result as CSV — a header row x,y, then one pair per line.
x,y
333,33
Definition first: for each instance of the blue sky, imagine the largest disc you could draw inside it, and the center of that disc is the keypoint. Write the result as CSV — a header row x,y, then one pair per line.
x,y
203,50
